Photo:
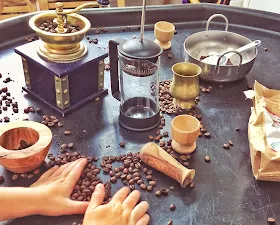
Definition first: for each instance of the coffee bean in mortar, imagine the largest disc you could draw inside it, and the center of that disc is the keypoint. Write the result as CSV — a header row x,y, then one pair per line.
x,y
67,132
207,158
122,144
226,146
172,207
271,220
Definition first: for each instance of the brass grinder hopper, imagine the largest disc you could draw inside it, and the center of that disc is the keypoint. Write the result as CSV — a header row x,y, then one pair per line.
x,y
62,46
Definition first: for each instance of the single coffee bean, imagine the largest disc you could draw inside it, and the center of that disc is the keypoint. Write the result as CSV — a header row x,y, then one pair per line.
x,y
67,132
130,169
172,207
31,175
207,158
113,179
152,183
207,134
162,144
15,177
137,178
74,223
23,175
165,134
64,146
157,138
158,193
70,145
151,138
139,182
203,130
237,129
226,146
149,172
191,185
59,124
145,170
131,181
169,55
150,188
125,170
184,157
171,188
135,170
6,119
149,177
170,222
122,144
164,191
143,187
230,142
271,220
186,164
37,171
118,175
111,173
132,187
26,110
123,176
129,176
136,174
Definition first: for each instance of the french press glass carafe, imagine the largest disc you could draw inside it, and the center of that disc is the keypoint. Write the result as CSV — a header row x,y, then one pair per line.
x,y
135,82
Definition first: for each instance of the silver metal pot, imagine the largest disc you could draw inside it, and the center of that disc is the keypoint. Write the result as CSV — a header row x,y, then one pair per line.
x,y
210,42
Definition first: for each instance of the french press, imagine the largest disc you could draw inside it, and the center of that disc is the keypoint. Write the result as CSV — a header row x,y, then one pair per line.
x,y
135,82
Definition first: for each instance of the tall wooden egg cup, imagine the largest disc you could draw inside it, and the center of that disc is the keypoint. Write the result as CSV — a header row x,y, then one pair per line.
x,y
185,131
28,159
156,157
164,32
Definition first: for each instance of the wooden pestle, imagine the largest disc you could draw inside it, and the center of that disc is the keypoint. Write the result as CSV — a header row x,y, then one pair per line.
x,y
156,157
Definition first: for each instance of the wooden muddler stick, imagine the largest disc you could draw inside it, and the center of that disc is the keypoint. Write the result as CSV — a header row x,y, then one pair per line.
x,y
156,157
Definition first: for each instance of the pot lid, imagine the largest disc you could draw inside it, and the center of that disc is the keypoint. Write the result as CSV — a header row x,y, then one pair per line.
x,y
140,50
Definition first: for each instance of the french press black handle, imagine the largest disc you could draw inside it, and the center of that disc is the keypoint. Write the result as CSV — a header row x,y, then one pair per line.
x,y
114,66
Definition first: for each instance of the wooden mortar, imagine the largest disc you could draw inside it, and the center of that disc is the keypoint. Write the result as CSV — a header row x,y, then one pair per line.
x,y
156,157
28,159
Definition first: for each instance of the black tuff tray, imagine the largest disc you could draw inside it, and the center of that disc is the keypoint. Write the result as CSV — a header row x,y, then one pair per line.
x,y
225,190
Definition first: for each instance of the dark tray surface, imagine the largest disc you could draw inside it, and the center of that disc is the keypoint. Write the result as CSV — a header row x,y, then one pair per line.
x,y
225,191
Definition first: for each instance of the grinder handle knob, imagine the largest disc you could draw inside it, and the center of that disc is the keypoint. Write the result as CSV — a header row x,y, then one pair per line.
x,y
156,157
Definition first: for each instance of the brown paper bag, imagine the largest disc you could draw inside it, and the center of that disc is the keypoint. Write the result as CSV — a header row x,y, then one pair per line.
x,y
264,132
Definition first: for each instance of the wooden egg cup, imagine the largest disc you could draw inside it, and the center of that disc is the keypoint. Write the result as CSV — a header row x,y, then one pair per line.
x,y
28,159
156,157
185,131
164,32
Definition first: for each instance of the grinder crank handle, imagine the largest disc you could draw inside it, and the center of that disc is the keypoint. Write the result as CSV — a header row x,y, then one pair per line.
x,y
156,157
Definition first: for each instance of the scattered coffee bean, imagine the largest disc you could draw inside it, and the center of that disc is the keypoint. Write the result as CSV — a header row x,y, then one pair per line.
x,y
158,193
265,49
59,124
151,138
149,177
184,157
186,164
113,179
170,55
37,171
207,158
226,146
143,187
6,119
149,172
230,142
171,188
152,183
162,144
31,175
15,176
165,134
172,207
207,134
150,188
107,67
64,146
271,220
170,222
139,182
145,170
164,191
237,129
191,185
70,145
122,144
67,132
26,110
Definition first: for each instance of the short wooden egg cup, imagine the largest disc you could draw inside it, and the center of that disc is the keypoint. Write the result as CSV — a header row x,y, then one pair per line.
x,y
164,32
28,159
156,157
185,131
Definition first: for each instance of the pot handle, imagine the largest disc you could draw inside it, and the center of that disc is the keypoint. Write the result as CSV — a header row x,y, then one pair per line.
x,y
214,16
114,66
221,56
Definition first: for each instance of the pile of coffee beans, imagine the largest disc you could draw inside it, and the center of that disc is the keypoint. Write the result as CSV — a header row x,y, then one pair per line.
x,y
23,145
51,121
30,175
50,26
205,89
